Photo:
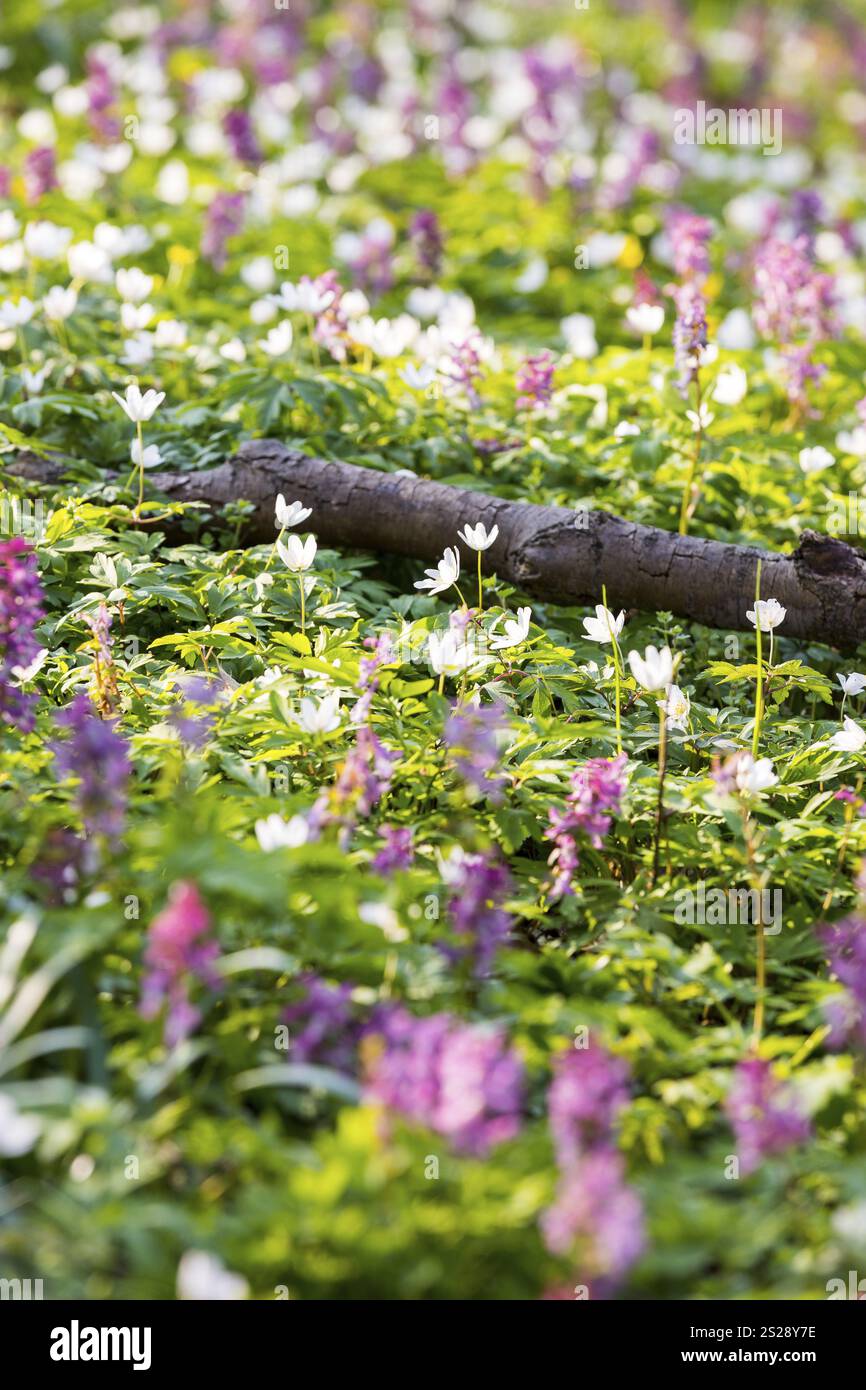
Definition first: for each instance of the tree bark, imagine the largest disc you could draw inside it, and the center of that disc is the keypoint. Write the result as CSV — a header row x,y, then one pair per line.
x,y
549,553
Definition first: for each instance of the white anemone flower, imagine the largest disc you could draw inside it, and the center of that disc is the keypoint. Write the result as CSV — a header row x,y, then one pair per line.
x,y
202,1278
150,457
275,833
279,340
604,627
677,707
139,407
754,774
850,738
45,241
133,285
34,381
654,670
768,612
59,303
297,555
853,684
290,513
731,385
700,419
478,537
446,573
135,317
816,460
449,654
18,1133
15,315
516,631
418,378
645,319
321,718
303,298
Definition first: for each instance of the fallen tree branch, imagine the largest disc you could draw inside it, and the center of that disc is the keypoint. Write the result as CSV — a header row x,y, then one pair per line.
x,y
548,553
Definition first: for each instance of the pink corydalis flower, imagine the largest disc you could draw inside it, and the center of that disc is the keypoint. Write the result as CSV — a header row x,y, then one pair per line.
x,y
762,1115
179,951
20,611
596,792
535,382
589,1088
689,235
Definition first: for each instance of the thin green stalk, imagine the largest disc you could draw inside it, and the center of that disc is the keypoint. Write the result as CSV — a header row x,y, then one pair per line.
x,y
663,762
140,465
274,548
616,672
759,694
686,507
303,597
480,591
760,939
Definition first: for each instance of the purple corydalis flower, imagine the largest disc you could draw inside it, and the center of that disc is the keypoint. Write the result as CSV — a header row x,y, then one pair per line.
x,y
795,305
689,333
454,103
793,299
20,610
425,235
371,261
471,735
40,173
381,651
332,324
101,97
594,799
463,365
589,1088
761,1114
689,236
189,718
845,943
104,689
59,865
362,780
98,756
178,950
479,886
597,1213
807,211
239,131
328,1032
461,1080
396,853
224,220
535,381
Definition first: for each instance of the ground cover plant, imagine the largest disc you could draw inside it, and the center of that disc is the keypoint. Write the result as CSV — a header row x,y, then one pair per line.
x,y
370,930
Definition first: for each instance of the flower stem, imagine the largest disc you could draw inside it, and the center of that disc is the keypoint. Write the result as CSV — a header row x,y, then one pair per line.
x,y
760,940
759,693
688,504
616,672
274,548
663,762
480,591
303,596
140,466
